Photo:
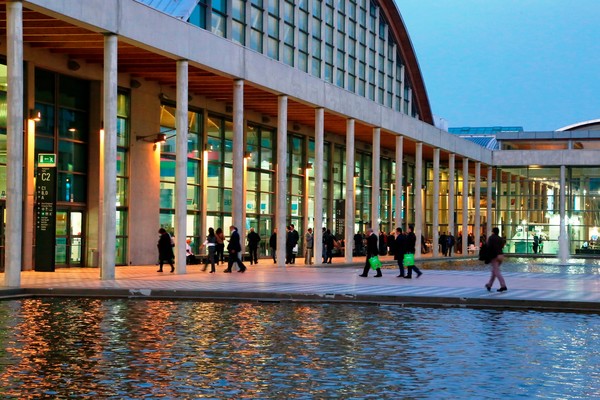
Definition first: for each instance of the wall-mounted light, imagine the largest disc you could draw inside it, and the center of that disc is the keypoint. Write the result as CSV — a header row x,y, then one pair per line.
x,y
154,138
208,147
163,97
247,155
309,166
73,65
134,83
356,174
35,115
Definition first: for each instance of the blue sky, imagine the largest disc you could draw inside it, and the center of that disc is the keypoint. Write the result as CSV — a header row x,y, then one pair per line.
x,y
529,63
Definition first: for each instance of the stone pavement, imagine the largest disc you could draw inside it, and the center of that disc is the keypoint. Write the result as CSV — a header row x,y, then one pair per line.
x,y
332,283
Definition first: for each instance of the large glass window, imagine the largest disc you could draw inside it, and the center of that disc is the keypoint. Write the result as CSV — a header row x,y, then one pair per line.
x,y
260,184
167,173
123,127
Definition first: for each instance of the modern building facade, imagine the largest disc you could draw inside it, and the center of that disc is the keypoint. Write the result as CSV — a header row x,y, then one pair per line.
x,y
194,114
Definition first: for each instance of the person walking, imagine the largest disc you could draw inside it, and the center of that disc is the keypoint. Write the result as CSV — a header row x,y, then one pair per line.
x,y
411,241
451,243
234,248
295,239
495,243
165,250
253,241
308,243
329,242
273,245
372,250
400,248
211,244
443,242
220,246
536,243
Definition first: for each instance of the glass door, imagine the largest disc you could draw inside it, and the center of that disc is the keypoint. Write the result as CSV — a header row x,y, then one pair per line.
x,y
69,238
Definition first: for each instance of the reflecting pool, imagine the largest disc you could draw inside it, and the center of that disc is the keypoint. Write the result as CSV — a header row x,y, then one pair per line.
x,y
125,349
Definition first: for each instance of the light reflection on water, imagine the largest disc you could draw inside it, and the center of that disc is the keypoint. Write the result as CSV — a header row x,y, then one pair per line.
x,y
521,264
90,348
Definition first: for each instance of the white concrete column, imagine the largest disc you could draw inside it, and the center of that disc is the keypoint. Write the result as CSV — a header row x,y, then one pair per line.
x,y
399,178
563,237
14,144
436,203
477,201
451,196
109,209
318,170
488,228
376,179
418,186
281,189
350,191
237,191
181,159
465,206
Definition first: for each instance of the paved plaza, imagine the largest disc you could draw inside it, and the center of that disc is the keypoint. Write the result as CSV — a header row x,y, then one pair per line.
x,y
336,282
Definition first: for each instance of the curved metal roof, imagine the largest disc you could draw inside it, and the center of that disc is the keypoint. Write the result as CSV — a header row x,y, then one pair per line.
x,y
398,28
585,125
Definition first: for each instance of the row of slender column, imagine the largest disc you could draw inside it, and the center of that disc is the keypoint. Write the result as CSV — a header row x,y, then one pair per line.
x,y
14,230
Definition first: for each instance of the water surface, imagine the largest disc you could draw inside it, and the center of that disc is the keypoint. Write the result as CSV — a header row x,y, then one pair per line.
x,y
125,349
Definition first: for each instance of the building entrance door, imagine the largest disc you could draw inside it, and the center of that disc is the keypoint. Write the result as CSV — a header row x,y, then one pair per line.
x,y
69,238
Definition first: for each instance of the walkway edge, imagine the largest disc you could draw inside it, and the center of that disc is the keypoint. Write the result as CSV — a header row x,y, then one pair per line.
x,y
203,295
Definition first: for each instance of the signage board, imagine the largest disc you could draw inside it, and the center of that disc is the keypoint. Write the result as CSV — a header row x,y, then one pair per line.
x,y
46,160
45,220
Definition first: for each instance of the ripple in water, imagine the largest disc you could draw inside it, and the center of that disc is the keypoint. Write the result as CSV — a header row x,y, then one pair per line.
x,y
125,349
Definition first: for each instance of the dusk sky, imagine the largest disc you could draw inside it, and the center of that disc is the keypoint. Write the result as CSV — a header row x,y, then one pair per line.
x,y
529,63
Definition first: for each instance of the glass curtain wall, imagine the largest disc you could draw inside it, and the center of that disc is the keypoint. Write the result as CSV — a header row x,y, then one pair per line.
x,y
339,191
363,186
123,129
583,209
527,206
348,43
220,172
297,162
167,174
386,181
64,130
260,184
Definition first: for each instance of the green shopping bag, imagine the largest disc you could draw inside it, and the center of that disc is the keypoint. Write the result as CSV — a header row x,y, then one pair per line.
x,y
409,260
375,262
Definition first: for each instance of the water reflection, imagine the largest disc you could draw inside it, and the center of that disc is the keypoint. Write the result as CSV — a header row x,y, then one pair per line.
x,y
520,264
87,348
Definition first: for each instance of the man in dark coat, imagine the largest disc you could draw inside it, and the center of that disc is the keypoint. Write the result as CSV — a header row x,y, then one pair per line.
x,y
165,250
411,241
273,244
400,249
495,254
253,241
234,248
444,243
372,250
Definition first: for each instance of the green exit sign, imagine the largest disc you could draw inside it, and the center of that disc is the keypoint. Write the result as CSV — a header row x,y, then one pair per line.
x,y
46,160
